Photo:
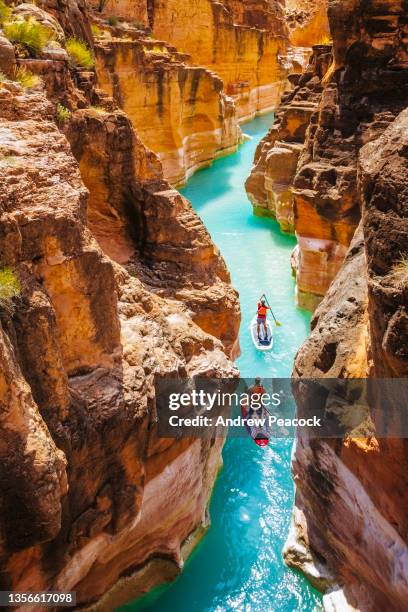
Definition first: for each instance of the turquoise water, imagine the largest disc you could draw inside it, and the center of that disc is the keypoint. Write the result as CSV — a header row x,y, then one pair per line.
x,y
238,565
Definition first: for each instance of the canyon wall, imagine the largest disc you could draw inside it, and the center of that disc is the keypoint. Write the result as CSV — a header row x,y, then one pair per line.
x,y
119,286
269,187
246,43
349,532
242,42
307,22
365,93
180,111
306,167
210,65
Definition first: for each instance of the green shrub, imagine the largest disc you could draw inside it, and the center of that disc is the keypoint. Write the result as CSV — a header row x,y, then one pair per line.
x,y
113,20
98,109
9,288
3,77
96,30
79,53
5,12
26,78
29,34
62,114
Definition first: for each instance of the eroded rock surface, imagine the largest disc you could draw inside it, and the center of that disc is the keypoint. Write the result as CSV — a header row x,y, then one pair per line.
x,y
120,285
180,111
269,187
307,22
352,491
240,41
366,92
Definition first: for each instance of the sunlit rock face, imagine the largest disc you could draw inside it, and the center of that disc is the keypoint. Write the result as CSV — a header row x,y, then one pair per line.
x,y
269,186
140,221
307,22
179,111
241,41
351,492
383,167
366,92
81,348
121,285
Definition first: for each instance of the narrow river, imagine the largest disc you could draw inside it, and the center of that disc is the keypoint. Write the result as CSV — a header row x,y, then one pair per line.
x,y
238,565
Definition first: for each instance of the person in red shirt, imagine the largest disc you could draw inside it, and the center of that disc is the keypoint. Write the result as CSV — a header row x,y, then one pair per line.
x,y
261,320
256,390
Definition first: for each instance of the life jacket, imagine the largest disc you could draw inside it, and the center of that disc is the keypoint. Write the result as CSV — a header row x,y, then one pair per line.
x,y
262,310
257,390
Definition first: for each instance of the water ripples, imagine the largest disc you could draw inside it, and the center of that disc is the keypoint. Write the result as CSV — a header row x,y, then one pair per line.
x,y
238,565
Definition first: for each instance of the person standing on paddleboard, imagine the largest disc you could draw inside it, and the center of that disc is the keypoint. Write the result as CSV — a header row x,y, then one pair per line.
x,y
261,319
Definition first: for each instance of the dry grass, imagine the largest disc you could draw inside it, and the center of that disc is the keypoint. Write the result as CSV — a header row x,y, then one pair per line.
x,y
157,49
5,12
96,30
98,109
325,39
399,272
26,78
79,53
9,288
9,161
29,34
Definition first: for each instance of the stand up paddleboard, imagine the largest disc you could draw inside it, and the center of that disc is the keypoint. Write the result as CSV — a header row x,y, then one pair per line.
x,y
262,344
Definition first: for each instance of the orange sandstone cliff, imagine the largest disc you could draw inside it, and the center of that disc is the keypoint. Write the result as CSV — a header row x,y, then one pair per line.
x,y
247,43
241,41
349,533
307,22
319,132
270,184
180,111
187,73
365,93
120,285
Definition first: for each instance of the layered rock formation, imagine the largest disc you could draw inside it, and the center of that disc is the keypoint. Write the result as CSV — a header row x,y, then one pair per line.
x,y
92,500
317,172
367,90
241,41
307,22
229,61
179,111
269,186
351,492
246,43
350,517
139,220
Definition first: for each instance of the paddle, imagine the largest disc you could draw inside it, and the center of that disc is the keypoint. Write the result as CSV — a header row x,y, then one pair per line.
x,y
277,323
